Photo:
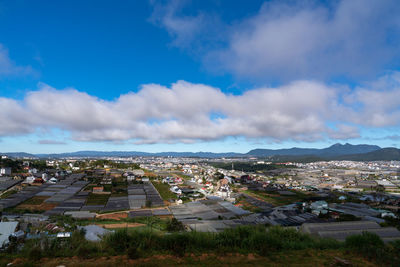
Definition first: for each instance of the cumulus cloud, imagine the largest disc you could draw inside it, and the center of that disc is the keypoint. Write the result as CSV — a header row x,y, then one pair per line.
x,y
182,28
296,39
292,41
376,103
14,119
9,68
303,110
345,131
196,32
185,112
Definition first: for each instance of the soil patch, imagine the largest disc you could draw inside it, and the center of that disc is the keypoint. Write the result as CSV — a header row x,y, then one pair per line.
x,y
121,225
113,216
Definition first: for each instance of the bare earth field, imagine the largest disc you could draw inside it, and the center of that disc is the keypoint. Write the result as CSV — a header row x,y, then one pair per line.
x,y
113,216
36,203
120,225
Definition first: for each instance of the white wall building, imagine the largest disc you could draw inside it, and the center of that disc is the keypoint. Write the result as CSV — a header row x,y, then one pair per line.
x,y
5,171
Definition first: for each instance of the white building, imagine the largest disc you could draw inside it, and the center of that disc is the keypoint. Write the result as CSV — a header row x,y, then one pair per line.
x,y
5,171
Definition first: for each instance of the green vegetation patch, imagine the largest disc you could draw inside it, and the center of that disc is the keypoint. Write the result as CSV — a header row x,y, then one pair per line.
x,y
247,206
164,191
97,199
8,193
34,201
273,244
112,164
275,198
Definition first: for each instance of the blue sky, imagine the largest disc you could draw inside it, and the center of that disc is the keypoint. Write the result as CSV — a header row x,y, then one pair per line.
x,y
197,75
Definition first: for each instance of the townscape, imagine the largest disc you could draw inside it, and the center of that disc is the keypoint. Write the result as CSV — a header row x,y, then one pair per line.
x,y
199,133
52,198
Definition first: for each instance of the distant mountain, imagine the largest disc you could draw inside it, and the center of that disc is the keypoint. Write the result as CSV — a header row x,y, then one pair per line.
x,y
348,149
334,150
18,155
94,154
199,154
389,153
295,151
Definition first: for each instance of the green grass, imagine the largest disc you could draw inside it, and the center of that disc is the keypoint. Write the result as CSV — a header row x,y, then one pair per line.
x,y
119,189
119,194
144,228
34,201
183,176
164,191
155,223
274,244
15,210
97,199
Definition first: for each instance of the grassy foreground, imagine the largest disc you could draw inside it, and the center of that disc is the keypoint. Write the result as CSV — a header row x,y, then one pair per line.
x,y
291,258
241,246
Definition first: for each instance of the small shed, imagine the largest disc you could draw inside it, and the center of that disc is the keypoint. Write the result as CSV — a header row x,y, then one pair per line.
x,y
94,232
6,230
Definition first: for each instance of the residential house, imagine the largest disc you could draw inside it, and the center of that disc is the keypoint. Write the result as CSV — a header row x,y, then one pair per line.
x,y
5,171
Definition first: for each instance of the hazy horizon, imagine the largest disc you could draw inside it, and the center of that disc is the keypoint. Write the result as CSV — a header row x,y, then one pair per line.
x,y
198,76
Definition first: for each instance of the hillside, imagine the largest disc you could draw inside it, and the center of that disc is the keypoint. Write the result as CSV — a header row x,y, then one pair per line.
x,y
389,153
334,150
347,151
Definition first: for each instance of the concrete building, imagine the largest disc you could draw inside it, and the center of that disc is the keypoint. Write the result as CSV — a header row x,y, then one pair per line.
x,y
5,171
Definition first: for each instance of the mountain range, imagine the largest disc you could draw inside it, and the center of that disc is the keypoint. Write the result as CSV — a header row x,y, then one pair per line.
x,y
338,151
334,150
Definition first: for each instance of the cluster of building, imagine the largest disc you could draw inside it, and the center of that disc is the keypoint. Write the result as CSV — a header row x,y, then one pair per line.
x,y
209,198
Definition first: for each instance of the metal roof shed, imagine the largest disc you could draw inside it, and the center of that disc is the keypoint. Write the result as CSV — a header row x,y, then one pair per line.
x,y
6,229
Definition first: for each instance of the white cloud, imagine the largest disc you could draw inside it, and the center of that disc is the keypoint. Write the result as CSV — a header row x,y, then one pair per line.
x,y
14,119
9,68
293,40
196,32
182,29
51,142
376,103
183,113
344,132
186,112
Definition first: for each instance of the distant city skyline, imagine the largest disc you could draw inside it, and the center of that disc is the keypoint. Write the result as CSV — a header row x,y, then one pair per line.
x,y
212,76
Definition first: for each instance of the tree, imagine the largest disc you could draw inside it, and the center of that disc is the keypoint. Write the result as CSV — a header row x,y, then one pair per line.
x,y
174,225
219,176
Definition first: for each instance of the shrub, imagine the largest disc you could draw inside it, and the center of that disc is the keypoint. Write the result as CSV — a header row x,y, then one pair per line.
x,y
368,244
35,253
176,243
118,241
83,251
133,253
174,225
